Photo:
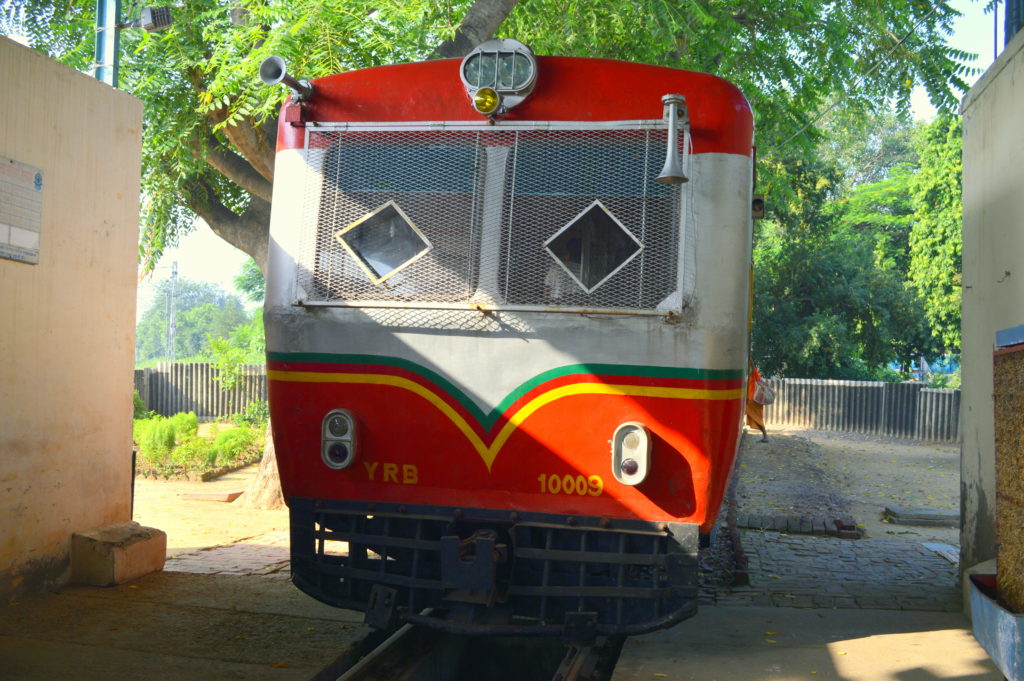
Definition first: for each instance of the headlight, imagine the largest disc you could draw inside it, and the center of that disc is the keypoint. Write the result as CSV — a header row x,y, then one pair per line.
x,y
338,439
486,100
631,453
498,75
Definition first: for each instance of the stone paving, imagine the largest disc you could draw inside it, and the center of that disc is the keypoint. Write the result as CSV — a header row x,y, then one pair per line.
x,y
796,482
807,571
266,554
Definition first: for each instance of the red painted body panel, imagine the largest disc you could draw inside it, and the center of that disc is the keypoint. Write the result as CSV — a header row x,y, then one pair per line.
x,y
568,89
694,442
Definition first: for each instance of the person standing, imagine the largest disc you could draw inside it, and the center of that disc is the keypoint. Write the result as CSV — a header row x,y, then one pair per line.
x,y
755,409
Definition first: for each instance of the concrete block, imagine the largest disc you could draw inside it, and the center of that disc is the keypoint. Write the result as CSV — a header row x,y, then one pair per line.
x,y
927,517
116,554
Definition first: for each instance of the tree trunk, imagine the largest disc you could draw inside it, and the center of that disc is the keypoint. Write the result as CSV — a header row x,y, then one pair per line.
x,y
264,492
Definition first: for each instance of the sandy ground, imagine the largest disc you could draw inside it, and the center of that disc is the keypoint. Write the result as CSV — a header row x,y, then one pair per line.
x,y
842,474
192,525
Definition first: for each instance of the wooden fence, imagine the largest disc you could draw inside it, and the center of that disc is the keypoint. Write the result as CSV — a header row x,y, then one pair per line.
x,y
192,386
899,410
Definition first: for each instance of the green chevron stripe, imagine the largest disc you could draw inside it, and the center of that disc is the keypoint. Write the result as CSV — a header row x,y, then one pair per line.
x,y
488,420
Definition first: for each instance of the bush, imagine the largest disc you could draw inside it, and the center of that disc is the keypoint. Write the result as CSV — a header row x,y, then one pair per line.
x,y
157,439
256,413
139,407
195,452
887,374
951,381
232,445
139,428
185,423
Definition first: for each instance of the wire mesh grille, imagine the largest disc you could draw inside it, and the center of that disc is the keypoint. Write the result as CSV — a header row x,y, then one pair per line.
x,y
487,201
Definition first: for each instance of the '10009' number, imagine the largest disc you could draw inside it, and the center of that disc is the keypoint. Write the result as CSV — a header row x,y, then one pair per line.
x,y
571,484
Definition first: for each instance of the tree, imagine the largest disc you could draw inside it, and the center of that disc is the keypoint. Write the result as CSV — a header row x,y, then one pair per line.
x,y
202,311
869,150
883,212
826,304
250,282
211,127
246,344
936,240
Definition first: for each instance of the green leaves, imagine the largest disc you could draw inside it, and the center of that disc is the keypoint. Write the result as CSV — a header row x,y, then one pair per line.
x,y
936,241
792,58
859,264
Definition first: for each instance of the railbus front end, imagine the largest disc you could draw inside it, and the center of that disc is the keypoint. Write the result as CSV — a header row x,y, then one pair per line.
x,y
506,325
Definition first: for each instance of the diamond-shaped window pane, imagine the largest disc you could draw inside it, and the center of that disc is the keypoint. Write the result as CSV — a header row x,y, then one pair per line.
x,y
384,242
590,249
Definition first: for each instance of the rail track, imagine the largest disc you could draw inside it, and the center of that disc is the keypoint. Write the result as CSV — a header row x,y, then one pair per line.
x,y
415,653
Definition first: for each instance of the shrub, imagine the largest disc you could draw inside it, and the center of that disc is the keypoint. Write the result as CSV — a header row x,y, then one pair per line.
x,y
139,407
951,381
256,413
232,445
139,428
157,439
185,423
195,452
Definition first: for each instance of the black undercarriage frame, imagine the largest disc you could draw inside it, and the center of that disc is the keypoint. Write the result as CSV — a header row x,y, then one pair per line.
x,y
483,571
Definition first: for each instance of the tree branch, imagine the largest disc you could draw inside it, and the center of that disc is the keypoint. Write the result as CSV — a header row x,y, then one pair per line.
x,y
250,144
237,169
479,24
248,231
258,149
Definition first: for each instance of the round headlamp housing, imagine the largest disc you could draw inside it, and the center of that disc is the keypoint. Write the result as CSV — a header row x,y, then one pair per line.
x,y
631,453
338,439
505,70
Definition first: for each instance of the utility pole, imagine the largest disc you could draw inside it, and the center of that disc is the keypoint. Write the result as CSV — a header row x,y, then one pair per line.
x,y
172,320
108,33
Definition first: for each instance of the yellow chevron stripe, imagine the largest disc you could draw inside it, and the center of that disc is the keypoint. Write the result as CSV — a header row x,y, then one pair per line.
x,y
489,453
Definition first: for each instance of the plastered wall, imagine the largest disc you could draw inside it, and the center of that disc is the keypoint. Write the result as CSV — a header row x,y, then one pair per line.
x,y
993,276
67,323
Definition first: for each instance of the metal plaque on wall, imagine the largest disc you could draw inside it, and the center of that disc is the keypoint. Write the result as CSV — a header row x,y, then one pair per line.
x,y
21,211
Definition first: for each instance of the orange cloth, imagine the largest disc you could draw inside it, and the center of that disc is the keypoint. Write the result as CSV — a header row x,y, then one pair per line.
x,y
754,411
752,380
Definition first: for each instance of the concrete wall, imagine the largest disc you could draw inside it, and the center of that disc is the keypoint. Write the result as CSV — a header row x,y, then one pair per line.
x,y
67,323
993,275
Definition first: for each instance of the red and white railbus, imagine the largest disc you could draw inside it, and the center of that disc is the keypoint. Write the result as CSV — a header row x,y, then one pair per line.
x,y
507,334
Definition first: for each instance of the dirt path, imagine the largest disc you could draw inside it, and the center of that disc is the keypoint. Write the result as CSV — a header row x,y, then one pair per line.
x,y
839,474
192,525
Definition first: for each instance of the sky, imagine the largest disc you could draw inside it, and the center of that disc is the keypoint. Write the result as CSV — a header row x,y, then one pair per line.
x,y
203,256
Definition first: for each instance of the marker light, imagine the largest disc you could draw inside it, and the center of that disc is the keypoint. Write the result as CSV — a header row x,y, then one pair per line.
x,y
338,439
631,453
486,100
498,75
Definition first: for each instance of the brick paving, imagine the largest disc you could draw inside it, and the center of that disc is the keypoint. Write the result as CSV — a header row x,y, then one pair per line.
x,y
265,554
807,571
